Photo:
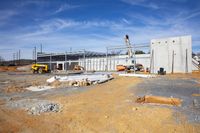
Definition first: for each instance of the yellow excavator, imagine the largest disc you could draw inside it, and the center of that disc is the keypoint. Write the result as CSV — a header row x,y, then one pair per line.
x,y
39,68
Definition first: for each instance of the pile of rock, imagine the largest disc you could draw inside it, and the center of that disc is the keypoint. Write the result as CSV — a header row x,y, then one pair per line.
x,y
35,106
44,107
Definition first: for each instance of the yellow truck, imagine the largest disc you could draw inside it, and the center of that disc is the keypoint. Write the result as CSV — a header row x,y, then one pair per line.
x,y
39,68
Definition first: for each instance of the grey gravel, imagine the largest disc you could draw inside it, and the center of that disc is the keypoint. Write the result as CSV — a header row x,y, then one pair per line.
x,y
180,88
35,106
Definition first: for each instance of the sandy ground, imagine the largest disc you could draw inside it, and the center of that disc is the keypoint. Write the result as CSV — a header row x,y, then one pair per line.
x,y
6,68
105,108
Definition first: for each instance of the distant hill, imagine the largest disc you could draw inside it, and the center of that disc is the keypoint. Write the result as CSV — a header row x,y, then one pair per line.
x,y
16,62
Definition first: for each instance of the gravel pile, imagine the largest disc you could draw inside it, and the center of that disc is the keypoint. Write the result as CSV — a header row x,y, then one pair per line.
x,y
35,106
44,107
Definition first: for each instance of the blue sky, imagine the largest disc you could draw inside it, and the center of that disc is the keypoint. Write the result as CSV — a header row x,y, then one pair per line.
x,y
92,24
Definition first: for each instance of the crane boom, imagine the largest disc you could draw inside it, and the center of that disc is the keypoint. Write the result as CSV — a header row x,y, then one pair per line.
x,y
128,44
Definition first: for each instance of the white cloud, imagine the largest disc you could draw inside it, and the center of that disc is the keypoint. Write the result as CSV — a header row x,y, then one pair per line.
x,y
65,7
192,15
50,26
125,20
143,3
56,24
5,15
48,33
34,2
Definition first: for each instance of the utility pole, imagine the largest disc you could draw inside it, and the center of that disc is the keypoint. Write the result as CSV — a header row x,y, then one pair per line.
x,y
13,58
19,56
106,59
35,54
41,48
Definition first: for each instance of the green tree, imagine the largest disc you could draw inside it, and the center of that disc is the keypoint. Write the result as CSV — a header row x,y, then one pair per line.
x,y
139,52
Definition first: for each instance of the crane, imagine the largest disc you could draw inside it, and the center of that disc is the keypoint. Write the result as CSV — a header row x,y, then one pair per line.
x,y
128,44
131,65
128,65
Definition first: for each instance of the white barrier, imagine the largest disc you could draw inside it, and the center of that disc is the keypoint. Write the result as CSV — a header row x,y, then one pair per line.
x,y
137,75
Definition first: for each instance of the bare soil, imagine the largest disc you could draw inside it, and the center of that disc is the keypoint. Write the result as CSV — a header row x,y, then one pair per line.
x,y
104,108
8,68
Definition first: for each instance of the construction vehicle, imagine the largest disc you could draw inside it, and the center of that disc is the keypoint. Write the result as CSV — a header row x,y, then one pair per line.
x,y
39,68
121,68
131,64
128,44
78,68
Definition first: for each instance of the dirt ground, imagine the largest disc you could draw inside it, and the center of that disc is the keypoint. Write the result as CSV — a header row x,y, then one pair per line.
x,y
6,68
104,108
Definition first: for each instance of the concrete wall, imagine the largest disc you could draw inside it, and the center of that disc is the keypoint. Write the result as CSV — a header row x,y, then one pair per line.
x,y
143,59
99,63
173,54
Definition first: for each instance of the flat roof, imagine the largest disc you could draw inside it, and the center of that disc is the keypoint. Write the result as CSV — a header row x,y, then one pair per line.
x,y
75,53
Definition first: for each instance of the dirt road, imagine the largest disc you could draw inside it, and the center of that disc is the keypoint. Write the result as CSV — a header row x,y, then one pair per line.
x,y
105,108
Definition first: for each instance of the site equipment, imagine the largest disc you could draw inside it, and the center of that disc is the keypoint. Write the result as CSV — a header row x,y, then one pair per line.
x,y
121,68
131,64
39,68
77,67
128,44
161,71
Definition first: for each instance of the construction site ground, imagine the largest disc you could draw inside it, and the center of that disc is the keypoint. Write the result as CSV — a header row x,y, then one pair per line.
x,y
104,108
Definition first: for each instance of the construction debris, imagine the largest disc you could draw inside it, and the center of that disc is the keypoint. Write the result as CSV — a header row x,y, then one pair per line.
x,y
159,100
137,75
35,106
82,80
39,88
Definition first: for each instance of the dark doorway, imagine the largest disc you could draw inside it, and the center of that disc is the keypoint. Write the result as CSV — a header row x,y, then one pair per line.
x,y
60,66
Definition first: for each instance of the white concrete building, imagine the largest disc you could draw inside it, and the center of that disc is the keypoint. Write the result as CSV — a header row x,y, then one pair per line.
x,y
173,54
100,63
